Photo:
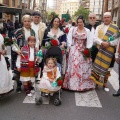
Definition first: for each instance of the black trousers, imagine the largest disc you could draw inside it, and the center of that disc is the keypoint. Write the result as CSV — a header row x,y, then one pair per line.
x,y
13,59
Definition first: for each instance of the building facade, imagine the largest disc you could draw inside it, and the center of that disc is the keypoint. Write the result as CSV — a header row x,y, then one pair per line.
x,y
84,3
14,9
114,8
70,6
96,6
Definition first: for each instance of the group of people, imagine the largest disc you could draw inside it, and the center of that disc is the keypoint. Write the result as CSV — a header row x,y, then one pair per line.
x,y
82,72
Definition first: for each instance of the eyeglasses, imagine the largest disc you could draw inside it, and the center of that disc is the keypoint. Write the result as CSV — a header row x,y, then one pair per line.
x,y
92,17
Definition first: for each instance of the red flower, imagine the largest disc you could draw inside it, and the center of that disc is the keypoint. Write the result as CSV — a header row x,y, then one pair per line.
x,y
60,82
86,52
66,30
54,42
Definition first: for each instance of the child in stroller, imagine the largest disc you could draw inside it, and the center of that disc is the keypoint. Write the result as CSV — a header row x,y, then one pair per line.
x,y
51,82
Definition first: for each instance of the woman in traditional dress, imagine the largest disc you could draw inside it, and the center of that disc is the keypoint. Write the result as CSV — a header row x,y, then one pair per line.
x,y
6,83
55,31
21,35
79,67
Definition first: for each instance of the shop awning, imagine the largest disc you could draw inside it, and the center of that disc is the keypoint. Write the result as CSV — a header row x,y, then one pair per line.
x,y
8,10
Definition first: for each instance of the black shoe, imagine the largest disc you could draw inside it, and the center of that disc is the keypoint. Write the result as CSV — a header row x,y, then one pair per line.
x,y
116,94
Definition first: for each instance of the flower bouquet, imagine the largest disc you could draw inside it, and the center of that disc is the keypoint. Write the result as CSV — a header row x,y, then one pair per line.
x,y
86,53
52,42
58,82
8,41
66,30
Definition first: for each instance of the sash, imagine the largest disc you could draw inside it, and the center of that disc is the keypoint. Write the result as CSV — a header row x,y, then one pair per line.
x,y
104,55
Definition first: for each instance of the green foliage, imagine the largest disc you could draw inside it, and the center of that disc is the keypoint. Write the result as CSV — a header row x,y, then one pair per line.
x,y
69,17
82,11
51,15
8,41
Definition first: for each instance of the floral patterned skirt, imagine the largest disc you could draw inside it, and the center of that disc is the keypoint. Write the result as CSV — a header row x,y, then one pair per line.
x,y
78,72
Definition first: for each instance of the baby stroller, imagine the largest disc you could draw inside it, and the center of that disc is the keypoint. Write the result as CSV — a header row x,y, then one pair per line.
x,y
54,52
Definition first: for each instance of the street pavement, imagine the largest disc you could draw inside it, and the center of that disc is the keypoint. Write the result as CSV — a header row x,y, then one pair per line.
x,y
91,105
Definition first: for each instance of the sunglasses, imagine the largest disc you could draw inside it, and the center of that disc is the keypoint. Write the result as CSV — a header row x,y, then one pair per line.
x,y
92,17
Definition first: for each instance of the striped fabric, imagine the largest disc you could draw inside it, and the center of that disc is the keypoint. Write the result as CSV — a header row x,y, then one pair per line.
x,y
19,34
25,58
104,56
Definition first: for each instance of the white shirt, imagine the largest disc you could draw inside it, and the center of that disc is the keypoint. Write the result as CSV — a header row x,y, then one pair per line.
x,y
104,29
35,27
92,34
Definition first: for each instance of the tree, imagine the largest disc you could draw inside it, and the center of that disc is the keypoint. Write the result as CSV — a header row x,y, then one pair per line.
x,y
69,17
51,15
82,11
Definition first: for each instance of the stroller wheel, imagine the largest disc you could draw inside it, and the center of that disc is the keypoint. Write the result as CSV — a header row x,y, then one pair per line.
x,y
57,102
38,101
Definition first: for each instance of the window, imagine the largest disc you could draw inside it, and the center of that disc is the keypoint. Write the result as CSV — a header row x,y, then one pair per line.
x,y
13,3
6,2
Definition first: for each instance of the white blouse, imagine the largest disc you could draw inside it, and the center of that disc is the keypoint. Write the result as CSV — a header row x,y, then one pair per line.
x,y
70,40
51,34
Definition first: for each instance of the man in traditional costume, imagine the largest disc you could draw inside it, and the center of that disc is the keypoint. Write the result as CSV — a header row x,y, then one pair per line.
x,y
38,26
106,38
92,27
